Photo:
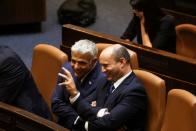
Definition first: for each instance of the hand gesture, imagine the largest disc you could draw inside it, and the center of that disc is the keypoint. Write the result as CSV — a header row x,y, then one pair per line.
x,y
68,82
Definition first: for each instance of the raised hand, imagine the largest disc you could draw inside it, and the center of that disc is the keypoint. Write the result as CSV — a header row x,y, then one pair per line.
x,y
68,83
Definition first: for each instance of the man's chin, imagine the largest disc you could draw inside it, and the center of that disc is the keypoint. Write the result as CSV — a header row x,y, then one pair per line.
x,y
78,75
109,78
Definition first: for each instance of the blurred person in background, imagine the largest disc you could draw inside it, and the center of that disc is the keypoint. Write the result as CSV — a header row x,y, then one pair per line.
x,y
151,26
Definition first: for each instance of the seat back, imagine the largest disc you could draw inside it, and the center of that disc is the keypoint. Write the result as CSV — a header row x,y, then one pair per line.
x,y
46,63
134,61
156,92
186,40
180,112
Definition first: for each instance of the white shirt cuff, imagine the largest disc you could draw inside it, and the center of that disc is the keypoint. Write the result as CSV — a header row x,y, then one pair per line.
x,y
102,112
86,125
72,100
76,120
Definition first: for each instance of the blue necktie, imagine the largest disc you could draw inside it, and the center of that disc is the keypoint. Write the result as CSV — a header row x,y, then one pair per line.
x,y
109,91
111,88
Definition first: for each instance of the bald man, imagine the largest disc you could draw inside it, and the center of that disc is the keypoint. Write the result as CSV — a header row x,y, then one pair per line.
x,y
121,103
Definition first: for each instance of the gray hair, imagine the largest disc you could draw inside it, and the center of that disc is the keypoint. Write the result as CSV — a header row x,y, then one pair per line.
x,y
85,46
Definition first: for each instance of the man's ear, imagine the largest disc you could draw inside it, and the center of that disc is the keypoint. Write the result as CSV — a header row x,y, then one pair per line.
x,y
122,61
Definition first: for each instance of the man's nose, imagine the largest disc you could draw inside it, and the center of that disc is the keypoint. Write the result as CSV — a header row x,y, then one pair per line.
x,y
76,65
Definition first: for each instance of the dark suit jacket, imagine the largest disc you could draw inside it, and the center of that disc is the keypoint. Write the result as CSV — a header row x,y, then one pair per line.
x,y
17,86
60,99
127,106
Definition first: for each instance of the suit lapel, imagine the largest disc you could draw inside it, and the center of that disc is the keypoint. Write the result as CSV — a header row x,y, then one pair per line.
x,y
88,86
125,84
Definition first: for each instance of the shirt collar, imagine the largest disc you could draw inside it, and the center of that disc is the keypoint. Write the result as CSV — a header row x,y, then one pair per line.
x,y
82,79
119,81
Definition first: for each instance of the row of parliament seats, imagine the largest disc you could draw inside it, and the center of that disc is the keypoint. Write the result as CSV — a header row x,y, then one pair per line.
x,y
177,71
155,86
174,70
13,118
